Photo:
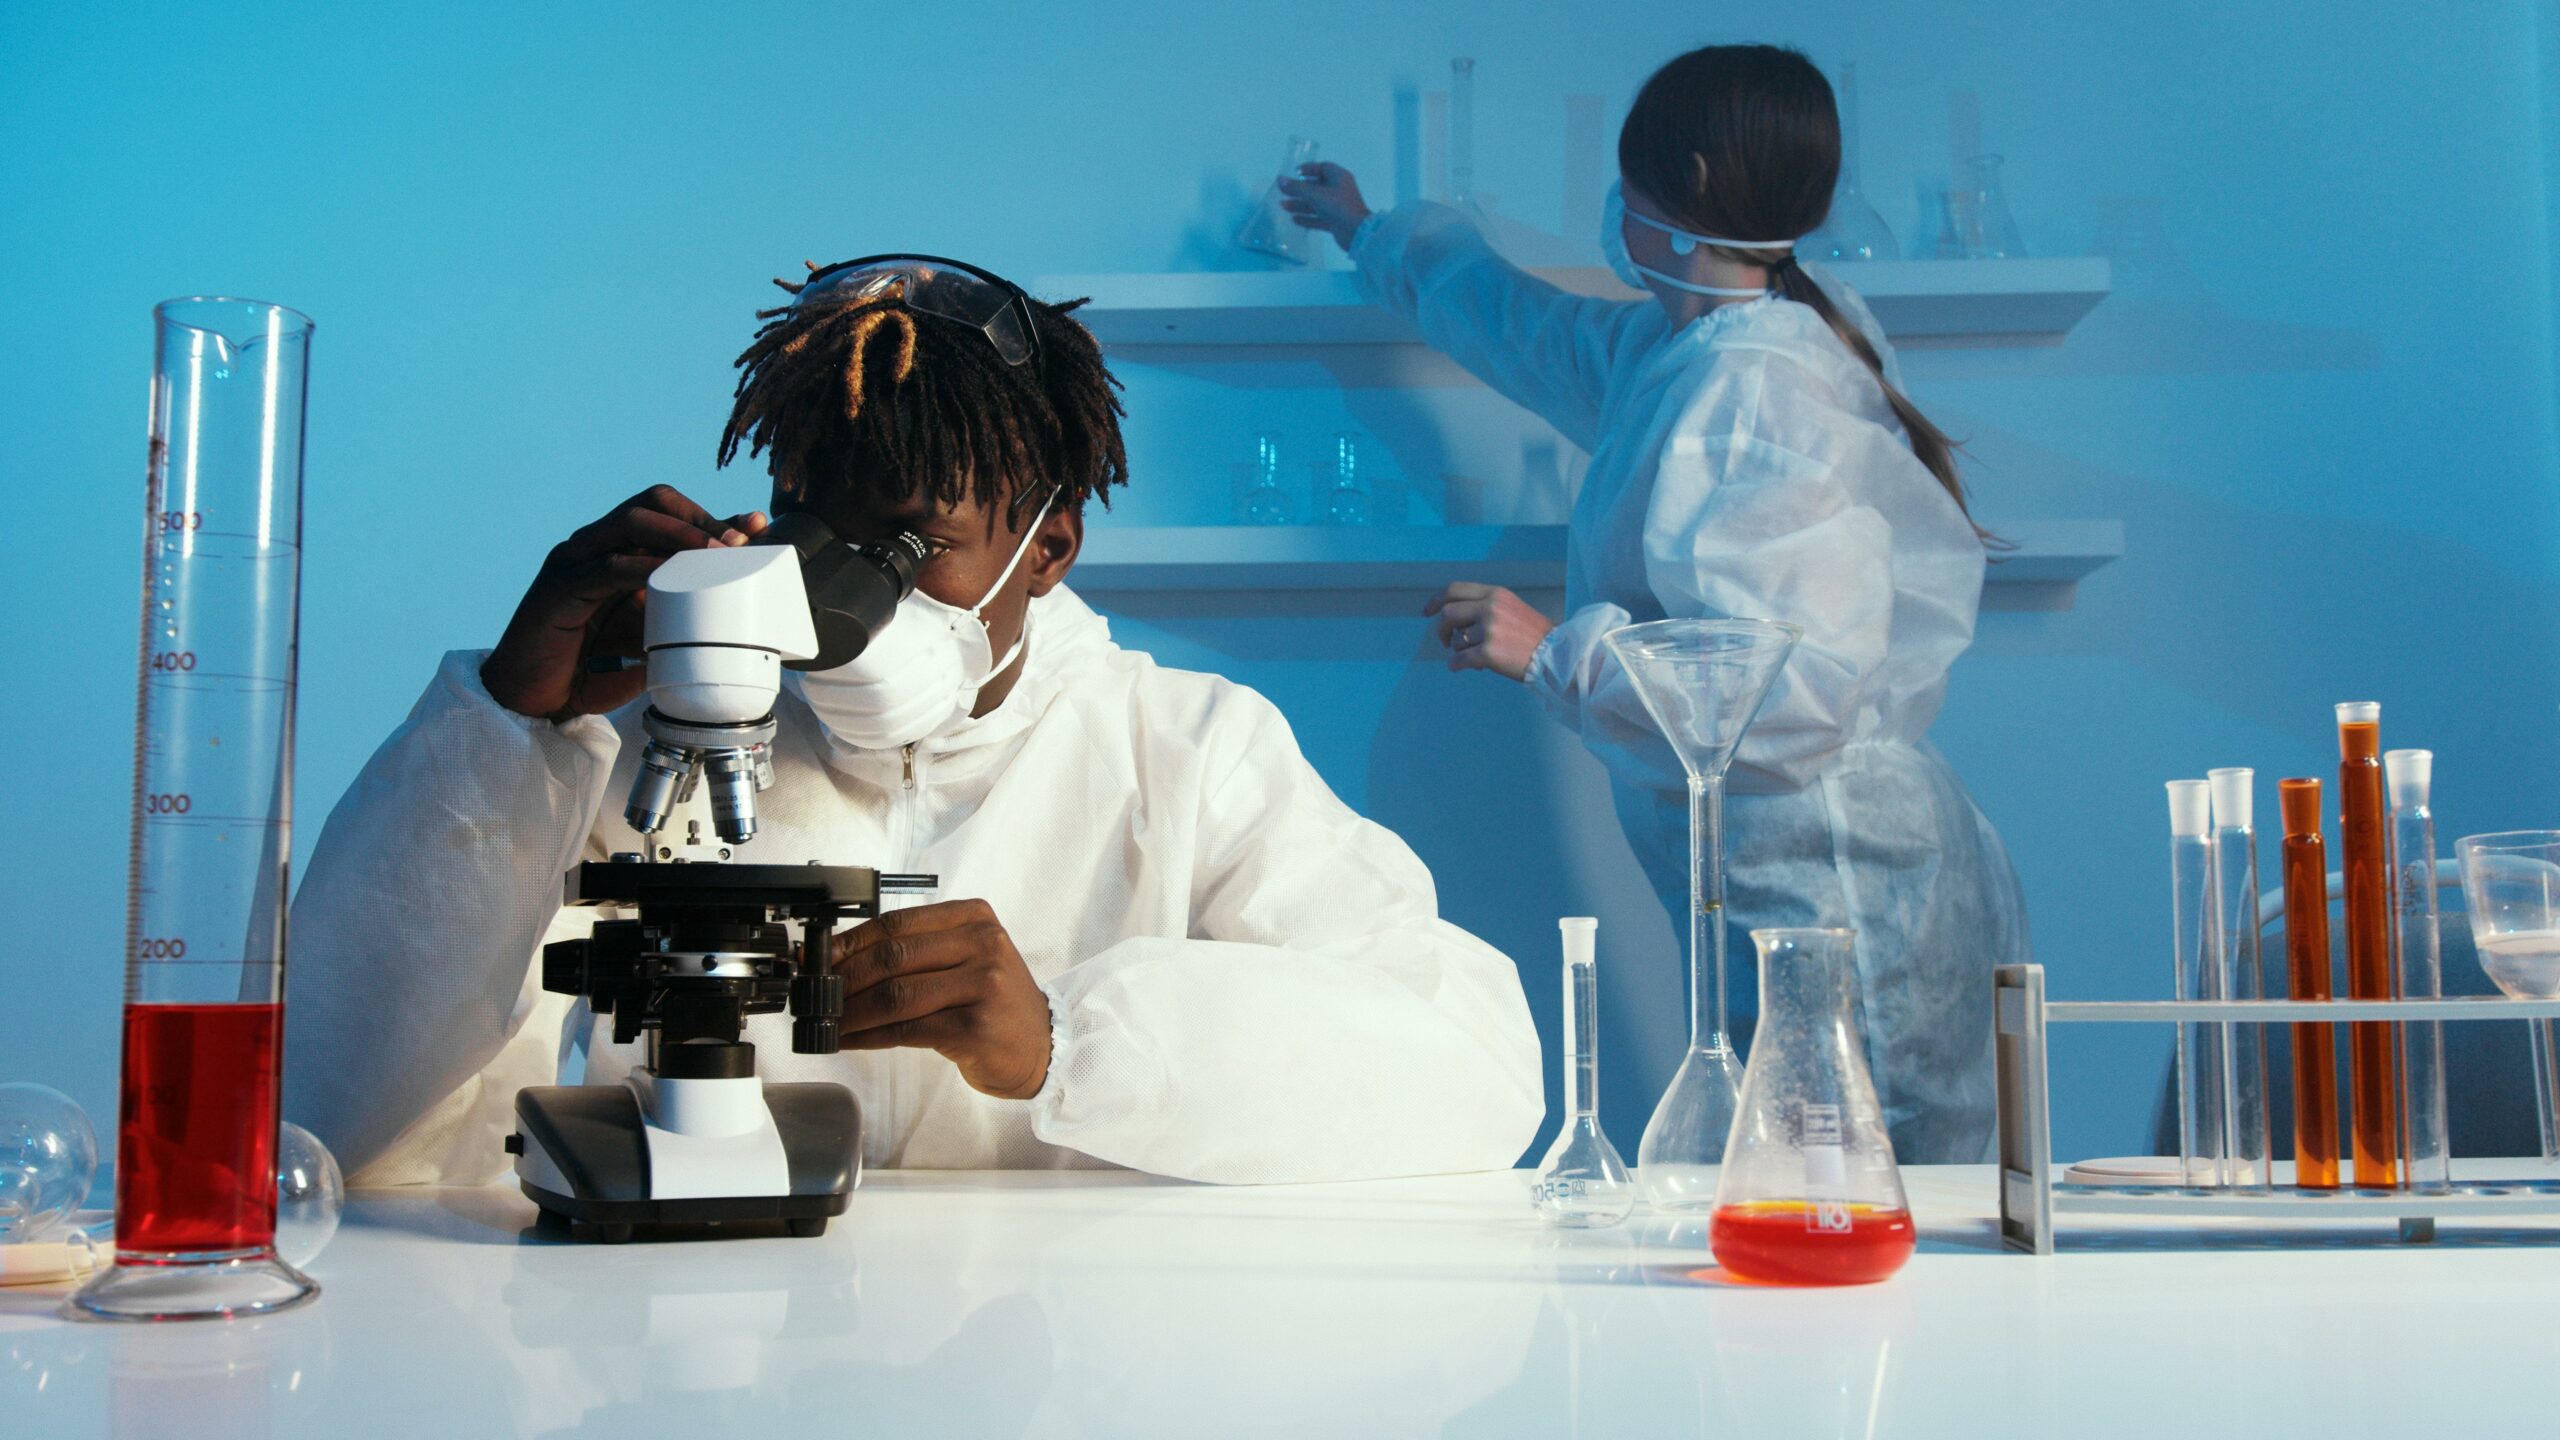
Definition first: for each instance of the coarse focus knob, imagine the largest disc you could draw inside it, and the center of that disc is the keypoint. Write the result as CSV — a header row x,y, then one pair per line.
x,y
817,1035
817,1005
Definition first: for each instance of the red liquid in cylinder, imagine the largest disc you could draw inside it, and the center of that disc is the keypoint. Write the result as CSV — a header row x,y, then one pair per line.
x,y
1799,1242
196,1148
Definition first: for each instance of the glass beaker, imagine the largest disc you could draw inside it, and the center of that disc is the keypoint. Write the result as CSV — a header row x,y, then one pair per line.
x,y
1262,499
1583,1183
2511,885
212,822
1852,230
1269,230
1993,232
1702,681
1342,496
1810,1194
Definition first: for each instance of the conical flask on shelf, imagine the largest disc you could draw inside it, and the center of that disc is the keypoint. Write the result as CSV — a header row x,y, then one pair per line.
x,y
1852,230
1702,681
1810,1194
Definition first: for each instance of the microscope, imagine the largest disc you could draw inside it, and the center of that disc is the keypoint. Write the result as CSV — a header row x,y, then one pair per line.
x,y
694,1138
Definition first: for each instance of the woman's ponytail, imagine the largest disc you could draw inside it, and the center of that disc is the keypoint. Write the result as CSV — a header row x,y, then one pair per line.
x,y
1931,444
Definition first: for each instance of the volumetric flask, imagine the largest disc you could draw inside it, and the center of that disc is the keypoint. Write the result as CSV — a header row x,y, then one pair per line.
x,y
1270,230
1809,1194
212,822
1583,1182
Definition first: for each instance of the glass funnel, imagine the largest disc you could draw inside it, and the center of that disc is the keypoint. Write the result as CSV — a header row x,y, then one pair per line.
x,y
1810,1194
1702,681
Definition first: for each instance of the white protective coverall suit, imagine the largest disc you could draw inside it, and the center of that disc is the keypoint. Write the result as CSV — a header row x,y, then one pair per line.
x,y
1747,465
1247,981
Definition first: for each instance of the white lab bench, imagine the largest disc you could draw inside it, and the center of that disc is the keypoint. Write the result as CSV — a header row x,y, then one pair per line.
x,y
1105,1304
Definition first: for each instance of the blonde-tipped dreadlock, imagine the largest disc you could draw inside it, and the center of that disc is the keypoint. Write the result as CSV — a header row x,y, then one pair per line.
x,y
944,416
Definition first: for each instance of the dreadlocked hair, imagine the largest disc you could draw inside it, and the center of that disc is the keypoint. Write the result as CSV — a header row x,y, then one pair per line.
x,y
869,393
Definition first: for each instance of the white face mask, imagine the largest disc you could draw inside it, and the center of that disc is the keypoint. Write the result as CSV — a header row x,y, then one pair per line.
x,y
1614,216
921,675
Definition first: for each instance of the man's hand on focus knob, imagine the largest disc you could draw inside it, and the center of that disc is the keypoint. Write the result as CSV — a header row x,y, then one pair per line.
x,y
945,977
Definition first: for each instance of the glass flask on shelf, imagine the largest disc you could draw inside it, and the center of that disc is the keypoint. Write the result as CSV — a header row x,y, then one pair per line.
x,y
1342,488
1583,1184
1810,1194
1993,233
1260,497
1702,681
1852,230
1269,230
1959,224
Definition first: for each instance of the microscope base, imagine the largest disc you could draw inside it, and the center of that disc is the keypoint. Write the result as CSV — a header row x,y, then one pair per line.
x,y
582,1154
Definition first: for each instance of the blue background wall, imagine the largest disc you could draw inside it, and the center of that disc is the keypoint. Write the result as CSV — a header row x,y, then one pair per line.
x,y
533,237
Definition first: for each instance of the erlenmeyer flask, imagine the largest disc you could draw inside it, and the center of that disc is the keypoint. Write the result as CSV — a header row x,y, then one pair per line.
x,y
1269,230
1994,233
1852,230
1810,1194
1702,681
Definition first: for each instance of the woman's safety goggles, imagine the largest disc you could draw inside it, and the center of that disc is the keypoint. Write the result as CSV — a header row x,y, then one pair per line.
x,y
934,285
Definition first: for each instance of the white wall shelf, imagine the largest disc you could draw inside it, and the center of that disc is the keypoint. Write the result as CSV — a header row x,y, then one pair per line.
x,y
2043,573
1967,302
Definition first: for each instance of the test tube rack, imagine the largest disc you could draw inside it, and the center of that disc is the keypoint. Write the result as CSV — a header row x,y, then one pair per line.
x,y
2030,1198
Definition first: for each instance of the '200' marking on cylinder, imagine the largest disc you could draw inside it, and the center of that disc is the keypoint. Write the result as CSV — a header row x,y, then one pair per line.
x,y
158,949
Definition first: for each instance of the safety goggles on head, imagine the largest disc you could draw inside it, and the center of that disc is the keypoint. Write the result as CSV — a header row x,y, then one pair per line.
x,y
934,285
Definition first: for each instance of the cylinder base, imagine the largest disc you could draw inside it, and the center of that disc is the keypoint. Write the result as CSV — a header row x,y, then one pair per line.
x,y
192,1288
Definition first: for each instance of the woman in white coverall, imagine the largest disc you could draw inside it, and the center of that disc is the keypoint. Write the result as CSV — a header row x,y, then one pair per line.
x,y
1752,456
1159,942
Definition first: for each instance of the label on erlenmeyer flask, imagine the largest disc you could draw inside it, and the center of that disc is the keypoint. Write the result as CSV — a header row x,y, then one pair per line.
x,y
1826,1162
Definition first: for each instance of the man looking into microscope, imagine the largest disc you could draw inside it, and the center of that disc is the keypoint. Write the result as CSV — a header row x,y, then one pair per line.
x,y
1160,941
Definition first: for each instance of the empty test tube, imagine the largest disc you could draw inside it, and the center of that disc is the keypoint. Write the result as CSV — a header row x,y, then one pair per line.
x,y
2241,973
2425,1151
2203,1144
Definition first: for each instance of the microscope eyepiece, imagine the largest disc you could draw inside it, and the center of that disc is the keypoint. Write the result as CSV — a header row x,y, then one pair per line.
x,y
854,590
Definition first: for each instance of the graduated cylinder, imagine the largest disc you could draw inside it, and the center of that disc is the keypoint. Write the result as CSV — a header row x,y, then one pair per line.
x,y
212,821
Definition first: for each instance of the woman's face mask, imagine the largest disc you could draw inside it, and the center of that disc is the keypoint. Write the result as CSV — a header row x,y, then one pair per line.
x,y
922,673
1614,216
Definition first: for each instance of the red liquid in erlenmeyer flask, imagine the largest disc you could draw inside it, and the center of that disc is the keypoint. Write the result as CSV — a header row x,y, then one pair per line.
x,y
1798,1242
196,1148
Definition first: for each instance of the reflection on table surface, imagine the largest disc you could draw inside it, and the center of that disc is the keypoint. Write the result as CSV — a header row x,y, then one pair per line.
x,y
1090,1303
